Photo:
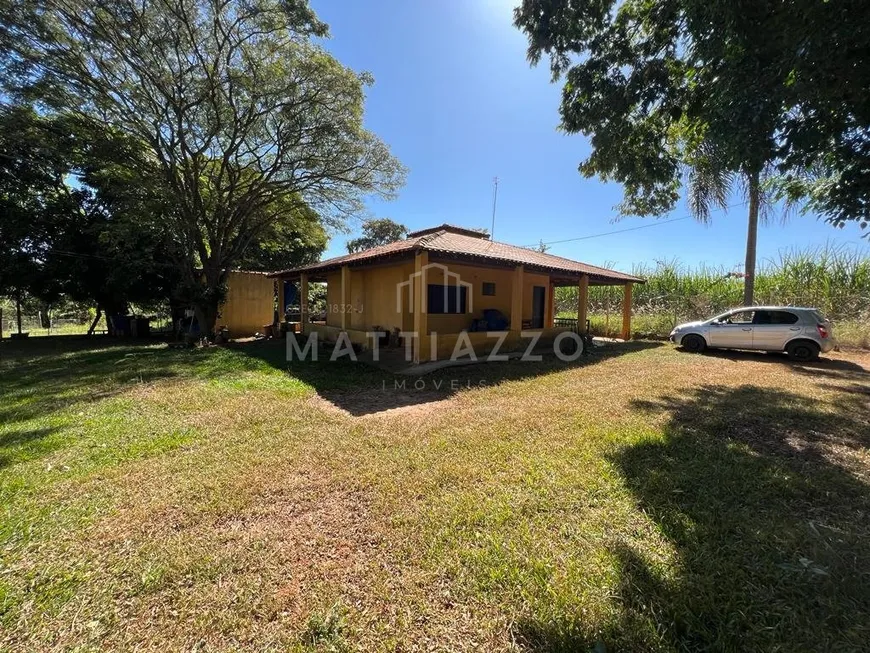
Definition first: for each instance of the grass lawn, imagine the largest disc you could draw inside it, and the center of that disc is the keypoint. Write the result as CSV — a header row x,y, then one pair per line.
x,y
641,499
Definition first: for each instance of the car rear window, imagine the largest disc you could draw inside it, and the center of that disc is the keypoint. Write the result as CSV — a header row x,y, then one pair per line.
x,y
784,317
818,316
774,317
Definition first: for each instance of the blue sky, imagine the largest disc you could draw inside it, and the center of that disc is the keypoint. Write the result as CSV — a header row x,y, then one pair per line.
x,y
457,102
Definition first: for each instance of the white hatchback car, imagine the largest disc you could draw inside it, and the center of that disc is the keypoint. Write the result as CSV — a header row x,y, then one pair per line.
x,y
801,332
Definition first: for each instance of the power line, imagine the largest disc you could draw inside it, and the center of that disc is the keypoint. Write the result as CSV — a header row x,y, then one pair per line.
x,y
620,231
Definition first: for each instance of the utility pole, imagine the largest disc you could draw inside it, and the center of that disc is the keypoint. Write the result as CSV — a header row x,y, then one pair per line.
x,y
494,200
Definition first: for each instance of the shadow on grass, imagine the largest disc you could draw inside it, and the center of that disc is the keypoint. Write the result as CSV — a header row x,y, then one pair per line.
x,y
823,366
12,443
763,495
40,380
361,389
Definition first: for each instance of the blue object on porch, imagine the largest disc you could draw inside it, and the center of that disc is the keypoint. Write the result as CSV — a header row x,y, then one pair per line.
x,y
290,295
495,319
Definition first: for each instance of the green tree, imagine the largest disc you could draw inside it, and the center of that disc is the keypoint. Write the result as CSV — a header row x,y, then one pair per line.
x,y
34,202
78,215
248,119
377,232
287,243
676,91
119,248
826,134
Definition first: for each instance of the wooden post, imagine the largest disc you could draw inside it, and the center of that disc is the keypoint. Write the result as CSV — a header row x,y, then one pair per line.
x,y
420,292
18,309
626,312
303,302
280,312
517,300
582,302
345,297
551,306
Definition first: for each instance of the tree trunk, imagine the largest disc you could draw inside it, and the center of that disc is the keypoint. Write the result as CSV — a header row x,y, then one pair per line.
x,y
96,321
206,317
751,239
212,296
45,315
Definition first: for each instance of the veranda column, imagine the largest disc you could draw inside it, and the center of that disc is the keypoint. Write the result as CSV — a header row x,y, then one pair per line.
x,y
303,302
345,298
420,291
280,311
517,301
582,302
626,312
551,306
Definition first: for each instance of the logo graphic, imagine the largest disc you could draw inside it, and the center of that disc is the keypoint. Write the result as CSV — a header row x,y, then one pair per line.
x,y
449,290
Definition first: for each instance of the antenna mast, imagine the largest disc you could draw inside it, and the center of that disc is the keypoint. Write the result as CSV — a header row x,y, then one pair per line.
x,y
494,200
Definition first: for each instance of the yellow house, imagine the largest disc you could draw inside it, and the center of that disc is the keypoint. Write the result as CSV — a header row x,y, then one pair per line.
x,y
444,283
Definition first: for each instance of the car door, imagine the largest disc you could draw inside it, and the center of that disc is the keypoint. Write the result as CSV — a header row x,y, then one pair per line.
x,y
733,330
772,329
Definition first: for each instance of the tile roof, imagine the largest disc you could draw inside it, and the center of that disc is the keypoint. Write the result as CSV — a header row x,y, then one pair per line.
x,y
467,231
454,241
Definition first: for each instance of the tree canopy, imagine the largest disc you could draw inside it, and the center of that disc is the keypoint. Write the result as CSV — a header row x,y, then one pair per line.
x,y
379,231
708,92
34,200
294,241
66,230
246,118
84,219
661,84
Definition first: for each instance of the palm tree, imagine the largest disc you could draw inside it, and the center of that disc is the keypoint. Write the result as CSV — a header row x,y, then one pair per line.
x,y
709,185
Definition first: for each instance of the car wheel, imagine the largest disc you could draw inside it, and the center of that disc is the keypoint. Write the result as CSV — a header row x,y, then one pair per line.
x,y
693,343
803,350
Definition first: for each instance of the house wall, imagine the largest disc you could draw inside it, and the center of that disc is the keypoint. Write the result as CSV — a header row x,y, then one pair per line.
x,y
373,296
250,304
503,278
